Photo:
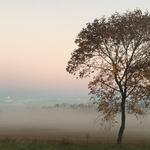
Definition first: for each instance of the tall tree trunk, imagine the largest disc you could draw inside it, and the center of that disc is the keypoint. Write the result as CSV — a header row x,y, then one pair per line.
x,y
123,120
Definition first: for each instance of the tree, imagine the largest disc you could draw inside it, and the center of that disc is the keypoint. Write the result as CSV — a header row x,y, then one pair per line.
x,y
109,51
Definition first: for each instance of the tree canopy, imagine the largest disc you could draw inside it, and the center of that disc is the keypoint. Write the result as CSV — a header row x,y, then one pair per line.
x,y
115,52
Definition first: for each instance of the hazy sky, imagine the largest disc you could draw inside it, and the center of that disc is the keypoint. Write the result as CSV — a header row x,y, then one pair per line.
x,y
37,37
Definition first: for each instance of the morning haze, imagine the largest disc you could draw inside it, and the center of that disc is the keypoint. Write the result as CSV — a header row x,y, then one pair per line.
x,y
37,38
39,99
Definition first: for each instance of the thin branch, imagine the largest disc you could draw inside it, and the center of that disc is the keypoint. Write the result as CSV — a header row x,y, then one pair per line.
x,y
131,91
109,56
103,57
98,67
110,86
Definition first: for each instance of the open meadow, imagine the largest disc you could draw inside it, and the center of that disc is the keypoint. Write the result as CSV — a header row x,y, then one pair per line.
x,y
68,126
37,146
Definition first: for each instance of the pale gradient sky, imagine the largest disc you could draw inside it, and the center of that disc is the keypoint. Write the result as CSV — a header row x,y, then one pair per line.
x,y
37,37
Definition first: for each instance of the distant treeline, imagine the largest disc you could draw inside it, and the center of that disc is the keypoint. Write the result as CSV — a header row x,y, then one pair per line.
x,y
81,106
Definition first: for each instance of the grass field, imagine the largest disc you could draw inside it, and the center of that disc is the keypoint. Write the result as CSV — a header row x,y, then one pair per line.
x,y
67,129
37,146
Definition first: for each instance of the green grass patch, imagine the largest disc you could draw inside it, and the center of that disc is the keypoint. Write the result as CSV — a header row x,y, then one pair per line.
x,y
46,146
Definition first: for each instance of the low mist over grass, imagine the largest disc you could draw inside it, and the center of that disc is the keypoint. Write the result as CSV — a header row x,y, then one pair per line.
x,y
65,123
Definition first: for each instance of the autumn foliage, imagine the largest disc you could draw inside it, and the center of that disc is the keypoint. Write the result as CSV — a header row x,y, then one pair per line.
x,y
115,53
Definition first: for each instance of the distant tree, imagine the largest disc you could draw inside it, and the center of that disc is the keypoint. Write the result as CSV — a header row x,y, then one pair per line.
x,y
109,50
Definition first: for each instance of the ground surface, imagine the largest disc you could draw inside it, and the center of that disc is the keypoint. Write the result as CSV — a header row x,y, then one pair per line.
x,y
36,146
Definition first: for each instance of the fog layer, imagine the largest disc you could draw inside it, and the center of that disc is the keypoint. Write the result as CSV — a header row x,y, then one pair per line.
x,y
57,124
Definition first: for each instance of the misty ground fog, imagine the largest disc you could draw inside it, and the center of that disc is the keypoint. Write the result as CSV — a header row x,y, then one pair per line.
x,y
75,125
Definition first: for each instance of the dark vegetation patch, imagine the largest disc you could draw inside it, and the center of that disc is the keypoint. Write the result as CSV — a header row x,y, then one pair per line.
x,y
10,145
